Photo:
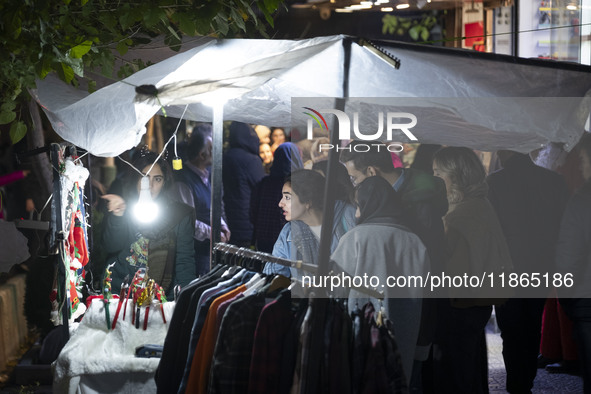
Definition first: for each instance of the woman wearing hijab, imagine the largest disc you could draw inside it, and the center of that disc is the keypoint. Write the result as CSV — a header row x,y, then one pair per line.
x,y
265,214
475,244
382,246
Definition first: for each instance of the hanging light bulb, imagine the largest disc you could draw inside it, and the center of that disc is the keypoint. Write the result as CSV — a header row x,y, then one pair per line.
x,y
145,210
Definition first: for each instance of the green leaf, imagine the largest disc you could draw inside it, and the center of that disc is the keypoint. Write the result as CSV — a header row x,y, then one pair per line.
x,y
126,19
414,32
186,24
122,48
17,131
174,33
203,25
222,24
81,49
8,106
91,86
108,20
68,72
83,2
237,19
425,34
7,117
43,67
153,17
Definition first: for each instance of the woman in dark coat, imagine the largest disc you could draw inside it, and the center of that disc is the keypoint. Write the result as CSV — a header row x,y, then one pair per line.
x,y
164,246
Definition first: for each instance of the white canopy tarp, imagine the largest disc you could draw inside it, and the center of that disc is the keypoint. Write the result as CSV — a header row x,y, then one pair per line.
x,y
460,98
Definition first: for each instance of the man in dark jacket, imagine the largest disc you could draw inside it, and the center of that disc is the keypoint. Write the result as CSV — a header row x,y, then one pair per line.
x,y
573,257
529,201
193,187
242,170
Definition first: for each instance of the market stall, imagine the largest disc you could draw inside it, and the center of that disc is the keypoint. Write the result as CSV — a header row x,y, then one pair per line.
x,y
482,101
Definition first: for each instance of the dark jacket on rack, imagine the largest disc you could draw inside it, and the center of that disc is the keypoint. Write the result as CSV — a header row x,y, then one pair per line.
x,y
242,170
176,344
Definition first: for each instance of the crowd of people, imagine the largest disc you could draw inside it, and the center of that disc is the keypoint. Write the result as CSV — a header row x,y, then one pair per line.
x,y
444,214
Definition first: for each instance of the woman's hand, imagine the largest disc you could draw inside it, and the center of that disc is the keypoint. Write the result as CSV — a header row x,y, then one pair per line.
x,y
115,204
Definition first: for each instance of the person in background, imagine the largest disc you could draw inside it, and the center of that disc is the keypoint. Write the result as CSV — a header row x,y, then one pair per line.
x,y
302,205
264,134
382,245
193,187
529,201
344,187
423,196
475,244
573,256
265,214
13,177
242,171
278,137
266,156
423,159
424,202
164,246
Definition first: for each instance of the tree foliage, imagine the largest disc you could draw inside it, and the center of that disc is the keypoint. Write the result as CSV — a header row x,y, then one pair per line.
x,y
39,37
416,28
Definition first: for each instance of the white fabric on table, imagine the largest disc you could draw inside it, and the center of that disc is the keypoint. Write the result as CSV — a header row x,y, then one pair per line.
x,y
93,351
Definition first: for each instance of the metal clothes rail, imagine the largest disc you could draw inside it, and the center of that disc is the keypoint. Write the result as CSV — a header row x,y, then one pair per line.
x,y
262,256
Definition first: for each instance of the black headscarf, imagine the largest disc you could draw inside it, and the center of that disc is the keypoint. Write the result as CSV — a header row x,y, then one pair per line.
x,y
378,202
285,160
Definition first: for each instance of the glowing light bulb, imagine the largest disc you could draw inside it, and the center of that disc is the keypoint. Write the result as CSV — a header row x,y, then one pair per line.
x,y
145,210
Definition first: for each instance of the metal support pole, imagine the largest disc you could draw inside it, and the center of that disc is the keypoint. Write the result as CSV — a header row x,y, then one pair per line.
x,y
216,176
330,183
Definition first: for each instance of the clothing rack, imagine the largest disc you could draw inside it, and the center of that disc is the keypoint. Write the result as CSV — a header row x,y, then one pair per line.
x,y
262,256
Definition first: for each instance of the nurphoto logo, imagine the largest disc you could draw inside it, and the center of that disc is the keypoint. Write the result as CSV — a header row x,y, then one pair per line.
x,y
395,121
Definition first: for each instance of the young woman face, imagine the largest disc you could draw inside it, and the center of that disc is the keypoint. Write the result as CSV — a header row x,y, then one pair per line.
x,y
156,180
278,136
437,172
265,153
290,203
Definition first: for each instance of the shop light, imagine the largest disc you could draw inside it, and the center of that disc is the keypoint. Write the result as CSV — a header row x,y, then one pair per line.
x,y
366,3
402,6
145,210
387,9
571,7
343,10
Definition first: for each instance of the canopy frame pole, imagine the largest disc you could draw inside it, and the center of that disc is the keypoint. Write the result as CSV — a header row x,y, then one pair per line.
x,y
333,162
216,176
